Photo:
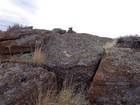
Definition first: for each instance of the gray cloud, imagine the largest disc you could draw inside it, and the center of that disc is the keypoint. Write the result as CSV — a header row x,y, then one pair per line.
x,y
10,17
27,5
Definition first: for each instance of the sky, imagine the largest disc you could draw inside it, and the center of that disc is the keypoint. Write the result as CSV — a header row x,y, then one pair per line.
x,y
106,18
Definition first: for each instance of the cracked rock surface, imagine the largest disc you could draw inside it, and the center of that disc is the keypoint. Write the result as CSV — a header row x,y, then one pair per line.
x,y
74,56
117,80
19,83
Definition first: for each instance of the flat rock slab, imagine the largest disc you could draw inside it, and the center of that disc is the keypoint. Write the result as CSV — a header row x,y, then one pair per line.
x,y
19,83
117,80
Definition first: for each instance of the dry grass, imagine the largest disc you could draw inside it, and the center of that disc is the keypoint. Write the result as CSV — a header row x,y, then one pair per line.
x,y
14,27
110,45
66,96
69,97
38,56
46,99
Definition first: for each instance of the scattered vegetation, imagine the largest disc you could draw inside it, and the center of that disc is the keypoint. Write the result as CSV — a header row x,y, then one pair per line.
x,y
14,27
45,98
38,56
67,96
110,45
129,41
18,27
125,42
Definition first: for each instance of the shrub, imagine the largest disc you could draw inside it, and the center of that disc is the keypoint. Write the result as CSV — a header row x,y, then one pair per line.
x,y
129,41
15,27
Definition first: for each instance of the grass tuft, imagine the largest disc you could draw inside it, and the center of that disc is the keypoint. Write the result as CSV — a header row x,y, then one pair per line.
x,y
110,45
67,96
38,56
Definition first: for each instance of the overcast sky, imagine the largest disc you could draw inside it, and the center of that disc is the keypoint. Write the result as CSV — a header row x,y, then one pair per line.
x,y
108,18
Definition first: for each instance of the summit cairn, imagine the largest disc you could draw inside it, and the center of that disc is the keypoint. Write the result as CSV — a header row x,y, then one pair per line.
x,y
71,30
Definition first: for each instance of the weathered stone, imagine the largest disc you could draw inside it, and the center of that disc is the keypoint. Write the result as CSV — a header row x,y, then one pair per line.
x,y
117,80
24,39
58,30
21,41
19,83
73,55
71,30
69,55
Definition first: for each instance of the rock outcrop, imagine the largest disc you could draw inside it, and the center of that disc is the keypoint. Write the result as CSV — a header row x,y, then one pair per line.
x,y
19,83
117,80
78,58
73,55
67,54
22,40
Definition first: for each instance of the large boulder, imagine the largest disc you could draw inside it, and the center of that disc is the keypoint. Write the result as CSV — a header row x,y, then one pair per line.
x,y
19,83
74,55
117,80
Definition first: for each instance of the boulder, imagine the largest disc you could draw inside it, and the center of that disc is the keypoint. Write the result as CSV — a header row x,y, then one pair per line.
x,y
117,80
19,83
71,30
58,30
73,55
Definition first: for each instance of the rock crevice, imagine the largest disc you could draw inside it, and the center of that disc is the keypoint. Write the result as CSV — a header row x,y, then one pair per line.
x,y
111,78
116,81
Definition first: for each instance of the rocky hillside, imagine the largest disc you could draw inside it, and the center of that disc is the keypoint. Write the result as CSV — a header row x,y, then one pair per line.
x,y
34,58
